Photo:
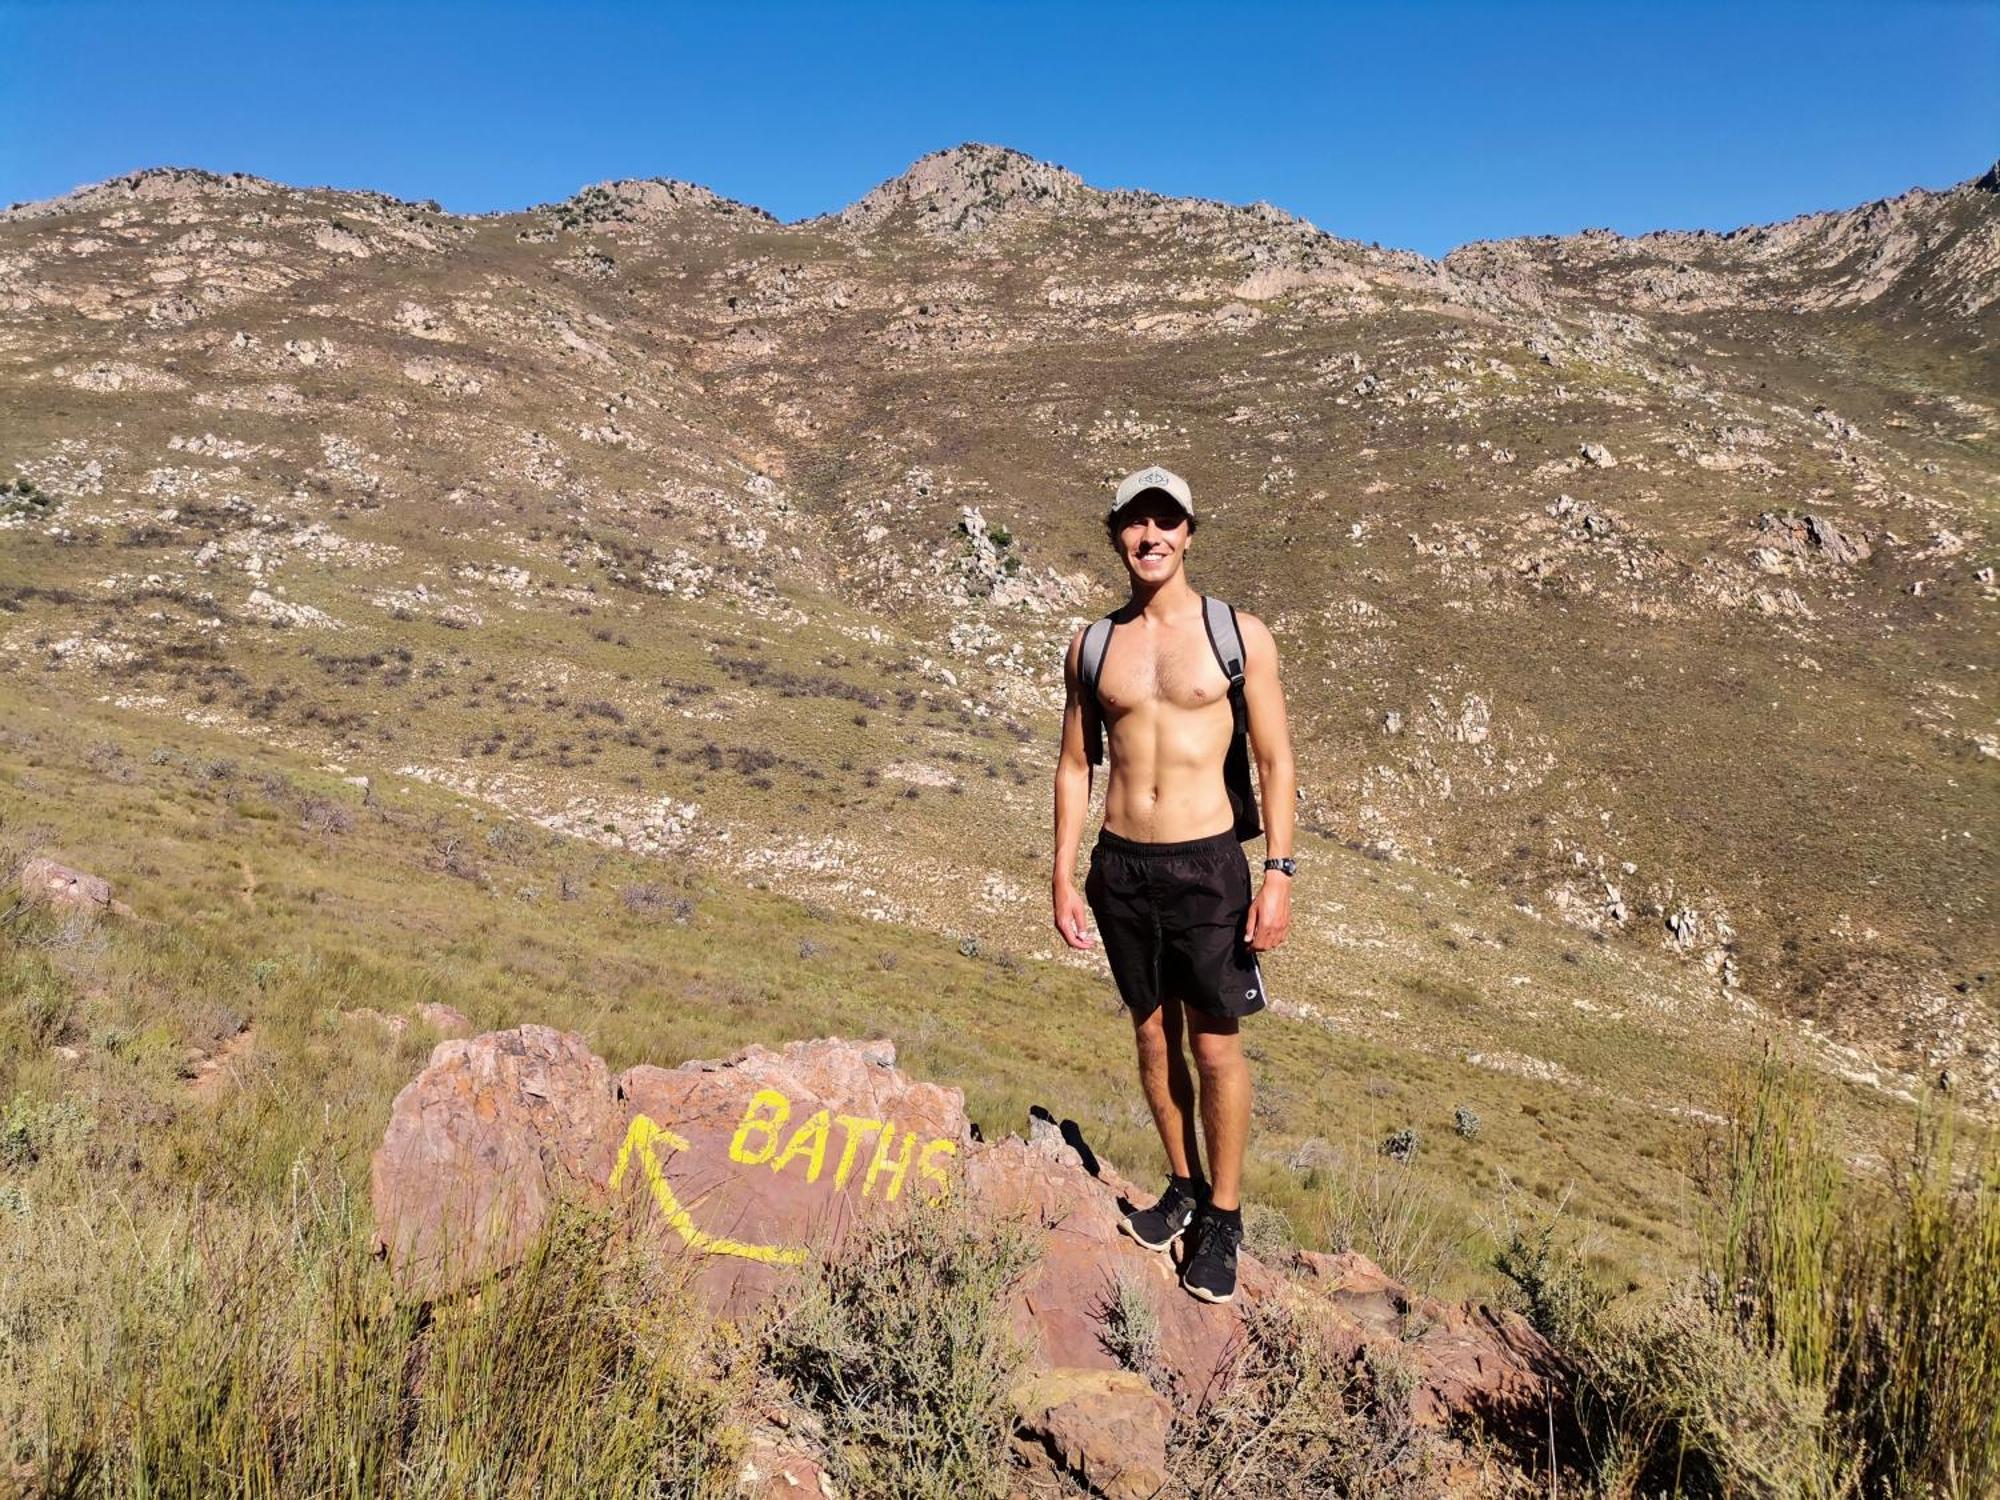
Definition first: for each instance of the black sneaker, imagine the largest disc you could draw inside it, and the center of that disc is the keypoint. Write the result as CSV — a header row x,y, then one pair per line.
x,y
1210,1271
1159,1226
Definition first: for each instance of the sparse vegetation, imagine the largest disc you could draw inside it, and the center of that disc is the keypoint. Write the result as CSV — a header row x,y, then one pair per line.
x,y
1845,1339
577,562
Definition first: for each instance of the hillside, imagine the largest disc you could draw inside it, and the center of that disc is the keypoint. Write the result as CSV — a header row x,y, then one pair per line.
x,y
1634,593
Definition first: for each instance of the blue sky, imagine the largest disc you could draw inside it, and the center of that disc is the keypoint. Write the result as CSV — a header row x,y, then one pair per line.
x,y
1417,125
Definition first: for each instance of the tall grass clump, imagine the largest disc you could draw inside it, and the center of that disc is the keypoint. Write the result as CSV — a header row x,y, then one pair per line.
x,y
1843,1339
213,1350
1920,1305
900,1345
1387,1209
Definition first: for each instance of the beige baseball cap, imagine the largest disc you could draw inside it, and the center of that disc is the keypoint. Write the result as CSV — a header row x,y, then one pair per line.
x,y
1139,481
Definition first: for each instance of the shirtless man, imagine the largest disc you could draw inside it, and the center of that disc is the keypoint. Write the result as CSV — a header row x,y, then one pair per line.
x,y
1168,882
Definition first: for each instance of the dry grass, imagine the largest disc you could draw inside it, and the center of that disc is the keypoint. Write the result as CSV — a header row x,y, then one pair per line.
x,y
1389,1210
1846,1340
217,1350
1294,1416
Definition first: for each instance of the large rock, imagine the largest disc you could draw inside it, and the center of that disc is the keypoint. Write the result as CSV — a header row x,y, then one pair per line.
x,y
46,883
482,1144
753,1162
1107,1427
749,1162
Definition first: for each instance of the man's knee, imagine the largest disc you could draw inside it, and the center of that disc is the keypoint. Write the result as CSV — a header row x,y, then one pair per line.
x,y
1217,1044
1150,1032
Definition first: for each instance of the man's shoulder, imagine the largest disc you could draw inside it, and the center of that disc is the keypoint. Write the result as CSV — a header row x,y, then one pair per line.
x,y
1252,626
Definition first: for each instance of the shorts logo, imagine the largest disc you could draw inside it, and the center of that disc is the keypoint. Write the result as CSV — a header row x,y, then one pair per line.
x,y
1249,994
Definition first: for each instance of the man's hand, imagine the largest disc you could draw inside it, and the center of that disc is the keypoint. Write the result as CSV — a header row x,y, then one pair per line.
x,y
1270,914
1072,916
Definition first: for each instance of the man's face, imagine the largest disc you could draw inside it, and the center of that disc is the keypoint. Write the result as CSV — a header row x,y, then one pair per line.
x,y
1152,536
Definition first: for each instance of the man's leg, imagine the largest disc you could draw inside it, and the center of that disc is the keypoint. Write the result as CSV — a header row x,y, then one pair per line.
x,y
1225,1101
1169,1087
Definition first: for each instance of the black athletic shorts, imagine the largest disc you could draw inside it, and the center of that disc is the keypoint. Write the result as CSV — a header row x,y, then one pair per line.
x,y
1171,916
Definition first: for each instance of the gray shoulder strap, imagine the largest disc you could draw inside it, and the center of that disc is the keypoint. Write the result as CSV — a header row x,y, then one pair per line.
x,y
1090,657
1223,637
1089,662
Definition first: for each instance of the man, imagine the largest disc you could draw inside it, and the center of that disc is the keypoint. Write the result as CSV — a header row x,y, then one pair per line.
x,y
1168,884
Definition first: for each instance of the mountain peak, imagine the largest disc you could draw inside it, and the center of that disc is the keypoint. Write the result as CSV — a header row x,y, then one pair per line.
x,y
149,184
638,198
965,189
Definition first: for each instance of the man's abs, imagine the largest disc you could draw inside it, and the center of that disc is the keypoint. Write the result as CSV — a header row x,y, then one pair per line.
x,y
1166,781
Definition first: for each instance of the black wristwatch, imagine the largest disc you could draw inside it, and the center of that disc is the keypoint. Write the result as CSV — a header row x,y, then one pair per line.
x,y
1282,866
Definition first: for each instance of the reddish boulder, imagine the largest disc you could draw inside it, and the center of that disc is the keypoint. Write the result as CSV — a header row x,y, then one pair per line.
x,y
1107,1427
758,1158
751,1162
46,883
481,1144
1086,1263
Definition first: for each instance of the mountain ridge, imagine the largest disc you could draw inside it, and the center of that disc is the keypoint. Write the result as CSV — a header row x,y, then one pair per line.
x,y
1040,179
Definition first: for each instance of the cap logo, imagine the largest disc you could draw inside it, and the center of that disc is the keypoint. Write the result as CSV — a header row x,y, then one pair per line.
x,y
1155,476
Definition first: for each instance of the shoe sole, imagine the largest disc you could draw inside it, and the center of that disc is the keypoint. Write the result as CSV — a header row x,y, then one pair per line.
x,y
1195,1291
1125,1228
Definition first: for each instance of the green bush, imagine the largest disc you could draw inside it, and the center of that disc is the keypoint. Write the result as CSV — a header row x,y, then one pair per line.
x,y
901,1347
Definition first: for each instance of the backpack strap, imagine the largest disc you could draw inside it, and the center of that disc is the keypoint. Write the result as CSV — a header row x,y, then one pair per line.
x,y
1226,641
1089,663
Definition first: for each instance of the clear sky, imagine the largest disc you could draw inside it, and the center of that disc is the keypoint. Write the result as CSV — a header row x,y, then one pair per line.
x,y
1417,125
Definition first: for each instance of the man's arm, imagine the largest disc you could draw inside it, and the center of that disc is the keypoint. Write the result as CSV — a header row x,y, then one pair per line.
x,y
1277,779
1072,806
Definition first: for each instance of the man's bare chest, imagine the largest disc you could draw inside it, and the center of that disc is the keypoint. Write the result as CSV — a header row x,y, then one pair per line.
x,y
1167,669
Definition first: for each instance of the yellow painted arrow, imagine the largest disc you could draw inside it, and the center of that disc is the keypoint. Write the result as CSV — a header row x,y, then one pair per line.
x,y
640,1137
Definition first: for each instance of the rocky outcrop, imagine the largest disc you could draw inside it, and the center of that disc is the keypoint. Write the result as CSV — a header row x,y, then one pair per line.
x,y
636,200
1931,249
757,1161
153,184
749,1162
1808,537
964,190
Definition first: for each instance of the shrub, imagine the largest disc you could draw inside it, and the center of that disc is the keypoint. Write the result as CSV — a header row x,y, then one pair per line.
x,y
900,1345
1400,1145
1293,1417
1384,1208
1131,1328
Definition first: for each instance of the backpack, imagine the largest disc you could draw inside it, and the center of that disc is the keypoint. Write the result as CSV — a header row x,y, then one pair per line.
x,y
1226,641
